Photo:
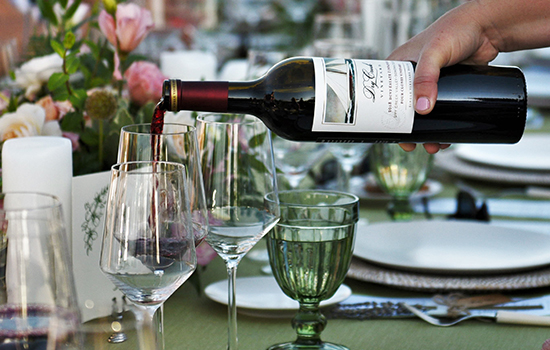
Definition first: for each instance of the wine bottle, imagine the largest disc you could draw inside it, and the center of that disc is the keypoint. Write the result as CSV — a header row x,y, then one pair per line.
x,y
347,100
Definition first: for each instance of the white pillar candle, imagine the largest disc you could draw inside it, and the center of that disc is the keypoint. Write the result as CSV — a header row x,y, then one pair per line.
x,y
40,164
191,65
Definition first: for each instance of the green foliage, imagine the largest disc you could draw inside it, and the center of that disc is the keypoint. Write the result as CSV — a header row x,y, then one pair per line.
x,y
88,63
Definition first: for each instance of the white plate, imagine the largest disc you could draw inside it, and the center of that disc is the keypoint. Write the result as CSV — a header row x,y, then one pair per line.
x,y
262,296
452,247
530,153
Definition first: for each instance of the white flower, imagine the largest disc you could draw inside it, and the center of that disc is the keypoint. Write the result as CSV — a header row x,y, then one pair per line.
x,y
81,13
28,120
34,73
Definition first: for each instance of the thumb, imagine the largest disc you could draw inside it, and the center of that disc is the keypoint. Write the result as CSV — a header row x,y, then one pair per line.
x,y
425,85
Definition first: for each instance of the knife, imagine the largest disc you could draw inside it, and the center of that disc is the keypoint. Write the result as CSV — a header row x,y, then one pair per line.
x,y
363,307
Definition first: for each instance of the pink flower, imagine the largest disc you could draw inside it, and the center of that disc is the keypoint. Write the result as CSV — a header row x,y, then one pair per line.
x,y
546,345
144,82
55,110
74,137
132,25
107,26
205,254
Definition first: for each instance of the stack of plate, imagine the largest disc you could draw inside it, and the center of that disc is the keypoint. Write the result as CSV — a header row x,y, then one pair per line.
x,y
524,163
451,255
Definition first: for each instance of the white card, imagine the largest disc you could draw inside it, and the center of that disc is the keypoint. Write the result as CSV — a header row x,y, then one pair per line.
x,y
95,292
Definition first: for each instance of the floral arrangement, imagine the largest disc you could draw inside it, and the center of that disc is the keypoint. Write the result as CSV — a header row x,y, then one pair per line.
x,y
81,79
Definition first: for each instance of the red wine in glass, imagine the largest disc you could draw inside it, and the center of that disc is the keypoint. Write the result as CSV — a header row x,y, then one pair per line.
x,y
29,327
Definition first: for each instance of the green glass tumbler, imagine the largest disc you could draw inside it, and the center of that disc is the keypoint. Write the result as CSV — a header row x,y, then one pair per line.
x,y
310,252
400,174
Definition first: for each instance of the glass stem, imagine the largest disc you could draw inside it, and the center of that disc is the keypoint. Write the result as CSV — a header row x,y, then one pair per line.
x,y
400,209
232,306
160,325
344,176
308,323
149,335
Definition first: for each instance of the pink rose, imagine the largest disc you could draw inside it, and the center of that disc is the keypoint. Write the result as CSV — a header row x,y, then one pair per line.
x,y
144,82
546,345
132,25
55,110
205,254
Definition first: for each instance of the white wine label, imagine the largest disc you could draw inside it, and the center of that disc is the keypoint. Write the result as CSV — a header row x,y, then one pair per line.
x,y
363,96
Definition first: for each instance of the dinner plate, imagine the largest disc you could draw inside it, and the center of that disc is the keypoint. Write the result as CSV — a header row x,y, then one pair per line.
x,y
262,296
530,153
452,247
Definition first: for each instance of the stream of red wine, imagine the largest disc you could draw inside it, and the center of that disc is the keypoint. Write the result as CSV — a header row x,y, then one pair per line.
x,y
157,126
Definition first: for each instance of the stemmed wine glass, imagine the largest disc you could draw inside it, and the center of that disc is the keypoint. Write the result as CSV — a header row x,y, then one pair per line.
x,y
38,308
341,36
400,174
238,169
148,249
310,252
294,159
177,143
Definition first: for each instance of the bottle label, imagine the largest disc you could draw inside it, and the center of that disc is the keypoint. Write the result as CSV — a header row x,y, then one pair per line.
x,y
363,96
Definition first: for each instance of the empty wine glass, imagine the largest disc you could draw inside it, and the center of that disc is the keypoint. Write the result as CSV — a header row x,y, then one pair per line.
x,y
238,169
38,308
310,252
400,174
348,156
148,249
295,159
341,36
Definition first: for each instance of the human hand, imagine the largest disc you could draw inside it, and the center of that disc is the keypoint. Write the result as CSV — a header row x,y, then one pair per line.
x,y
456,37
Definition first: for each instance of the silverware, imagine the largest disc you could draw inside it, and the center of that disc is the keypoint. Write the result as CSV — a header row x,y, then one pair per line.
x,y
363,307
500,316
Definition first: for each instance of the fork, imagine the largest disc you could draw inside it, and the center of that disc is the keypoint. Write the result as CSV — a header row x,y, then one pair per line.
x,y
499,316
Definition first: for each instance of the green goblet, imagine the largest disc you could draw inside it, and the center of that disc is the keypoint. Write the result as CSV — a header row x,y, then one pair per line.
x,y
310,251
400,174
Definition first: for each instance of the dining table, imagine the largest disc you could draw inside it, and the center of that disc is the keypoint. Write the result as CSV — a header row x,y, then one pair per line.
x,y
193,321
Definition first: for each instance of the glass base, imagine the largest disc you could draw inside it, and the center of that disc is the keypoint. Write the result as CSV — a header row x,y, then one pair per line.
x,y
400,209
294,346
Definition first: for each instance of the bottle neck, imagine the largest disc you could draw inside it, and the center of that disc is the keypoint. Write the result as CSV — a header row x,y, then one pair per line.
x,y
208,96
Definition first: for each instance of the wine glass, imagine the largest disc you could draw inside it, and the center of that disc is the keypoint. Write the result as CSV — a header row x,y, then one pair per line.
x,y
348,155
310,252
38,307
238,168
341,36
294,159
177,143
400,174
148,248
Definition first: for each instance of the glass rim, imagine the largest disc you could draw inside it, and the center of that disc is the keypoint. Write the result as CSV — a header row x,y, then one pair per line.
x,y
191,129
353,199
177,167
55,201
247,122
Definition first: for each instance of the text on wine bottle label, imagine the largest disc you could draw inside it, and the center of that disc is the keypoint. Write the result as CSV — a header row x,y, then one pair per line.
x,y
363,96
